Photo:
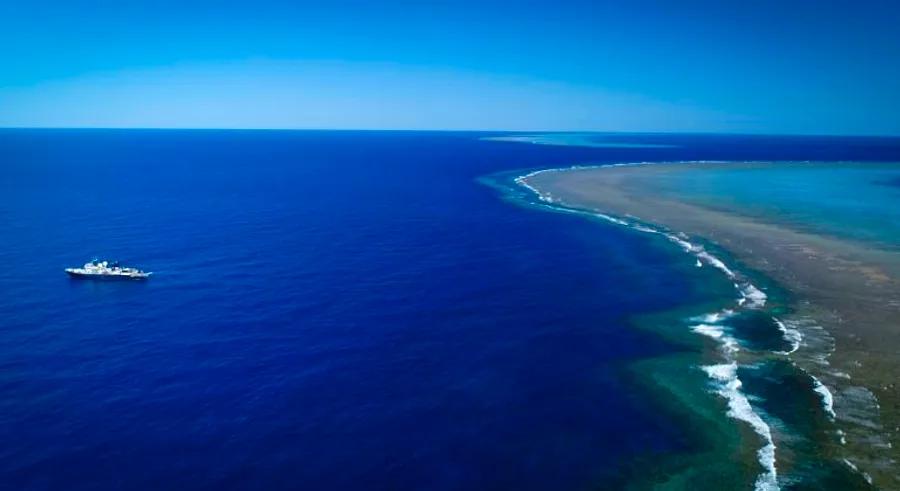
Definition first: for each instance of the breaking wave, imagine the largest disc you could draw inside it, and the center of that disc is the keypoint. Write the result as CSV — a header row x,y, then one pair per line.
x,y
827,397
739,408
791,334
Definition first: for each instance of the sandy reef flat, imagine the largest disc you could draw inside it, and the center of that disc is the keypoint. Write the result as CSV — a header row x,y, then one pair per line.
x,y
845,294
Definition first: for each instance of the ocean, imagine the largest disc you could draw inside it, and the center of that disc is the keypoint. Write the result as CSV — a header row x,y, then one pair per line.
x,y
345,310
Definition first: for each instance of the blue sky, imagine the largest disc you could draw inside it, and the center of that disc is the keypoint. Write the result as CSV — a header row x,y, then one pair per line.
x,y
815,67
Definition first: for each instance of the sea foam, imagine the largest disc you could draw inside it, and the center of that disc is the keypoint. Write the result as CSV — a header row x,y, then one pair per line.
x,y
739,408
790,334
827,397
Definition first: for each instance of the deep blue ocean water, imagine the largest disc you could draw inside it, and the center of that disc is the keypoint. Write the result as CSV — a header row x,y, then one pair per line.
x,y
329,310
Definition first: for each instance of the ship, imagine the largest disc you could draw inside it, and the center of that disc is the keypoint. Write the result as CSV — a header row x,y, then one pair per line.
x,y
96,269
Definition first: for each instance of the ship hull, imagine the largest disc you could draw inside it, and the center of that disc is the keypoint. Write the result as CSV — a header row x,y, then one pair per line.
x,y
104,277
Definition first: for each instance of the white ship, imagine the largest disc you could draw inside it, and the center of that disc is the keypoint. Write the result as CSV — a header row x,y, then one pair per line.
x,y
106,270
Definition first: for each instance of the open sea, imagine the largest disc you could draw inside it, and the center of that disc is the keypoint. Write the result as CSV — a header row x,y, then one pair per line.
x,y
366,310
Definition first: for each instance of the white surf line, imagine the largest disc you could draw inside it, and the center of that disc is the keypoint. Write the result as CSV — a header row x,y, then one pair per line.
x,y
725,374
790,334
739,408
714,317
865,475
825,394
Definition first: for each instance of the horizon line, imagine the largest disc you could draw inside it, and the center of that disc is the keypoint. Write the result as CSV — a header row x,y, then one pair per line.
x,y
449,130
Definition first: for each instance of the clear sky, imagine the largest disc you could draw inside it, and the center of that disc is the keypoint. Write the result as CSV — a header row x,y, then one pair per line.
x,y
821,67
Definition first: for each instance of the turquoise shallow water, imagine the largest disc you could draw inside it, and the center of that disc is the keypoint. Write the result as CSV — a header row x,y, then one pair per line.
x,y
622,141
858,201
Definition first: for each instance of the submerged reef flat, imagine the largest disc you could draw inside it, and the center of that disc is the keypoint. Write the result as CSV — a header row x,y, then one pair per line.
x,y
840,325
579,140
